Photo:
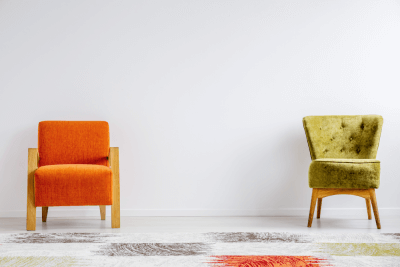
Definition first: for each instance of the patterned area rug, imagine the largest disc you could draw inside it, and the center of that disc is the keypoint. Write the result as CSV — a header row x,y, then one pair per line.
x,y
199,249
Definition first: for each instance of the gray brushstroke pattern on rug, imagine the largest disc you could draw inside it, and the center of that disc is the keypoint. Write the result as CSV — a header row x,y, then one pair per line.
x,y
58,238
264,237
154,249
396,236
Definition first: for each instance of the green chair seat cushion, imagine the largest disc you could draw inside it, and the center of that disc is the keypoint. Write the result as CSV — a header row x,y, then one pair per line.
x,y
349,160
344,173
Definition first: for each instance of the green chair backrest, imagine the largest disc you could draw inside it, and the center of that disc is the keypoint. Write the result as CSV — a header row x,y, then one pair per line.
x,y
343,137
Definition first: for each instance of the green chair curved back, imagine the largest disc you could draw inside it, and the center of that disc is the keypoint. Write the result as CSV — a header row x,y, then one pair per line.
x,y
343,137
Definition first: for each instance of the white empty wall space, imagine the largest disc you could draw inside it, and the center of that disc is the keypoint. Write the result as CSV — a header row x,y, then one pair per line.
x,y
204,98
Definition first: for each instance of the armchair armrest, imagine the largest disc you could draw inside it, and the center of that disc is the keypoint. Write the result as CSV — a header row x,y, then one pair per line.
x,y
33,160
115,208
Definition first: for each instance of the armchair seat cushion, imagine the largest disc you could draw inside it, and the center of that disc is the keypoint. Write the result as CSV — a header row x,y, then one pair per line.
x,y
344,173
73,185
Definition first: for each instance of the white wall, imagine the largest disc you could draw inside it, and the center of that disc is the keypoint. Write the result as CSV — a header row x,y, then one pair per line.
x,y
204,98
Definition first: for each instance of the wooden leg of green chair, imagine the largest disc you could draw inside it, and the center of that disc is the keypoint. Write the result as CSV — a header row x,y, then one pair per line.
x,y
368,203
375,207
314,198
319,208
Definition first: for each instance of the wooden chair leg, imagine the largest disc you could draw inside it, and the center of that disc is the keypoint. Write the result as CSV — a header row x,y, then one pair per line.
x,y
312,206
375,207
368,203
31,208
31,216
115,207
319,208
45,210
103,212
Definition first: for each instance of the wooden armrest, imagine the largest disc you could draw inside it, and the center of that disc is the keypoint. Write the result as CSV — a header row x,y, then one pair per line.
x,y
33,160
115,208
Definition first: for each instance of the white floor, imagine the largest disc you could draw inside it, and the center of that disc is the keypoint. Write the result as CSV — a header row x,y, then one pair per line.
x,y
343,224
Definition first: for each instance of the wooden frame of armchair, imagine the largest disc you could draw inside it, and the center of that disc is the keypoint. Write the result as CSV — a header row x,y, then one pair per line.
x,y
367,194
33,160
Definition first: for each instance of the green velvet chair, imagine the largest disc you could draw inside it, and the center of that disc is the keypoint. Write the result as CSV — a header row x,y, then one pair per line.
x,y
343,151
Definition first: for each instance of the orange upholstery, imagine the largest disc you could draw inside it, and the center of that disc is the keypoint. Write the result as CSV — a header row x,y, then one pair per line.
x,y
73,142
73,185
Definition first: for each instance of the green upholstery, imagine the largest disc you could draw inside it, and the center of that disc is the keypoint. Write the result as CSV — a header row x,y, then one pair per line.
x,y
343,151
337,173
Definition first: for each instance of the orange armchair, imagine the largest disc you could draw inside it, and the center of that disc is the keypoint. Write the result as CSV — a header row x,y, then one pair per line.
x,y
71,167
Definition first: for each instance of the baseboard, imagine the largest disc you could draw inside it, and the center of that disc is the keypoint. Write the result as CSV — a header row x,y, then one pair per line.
x,y
300,212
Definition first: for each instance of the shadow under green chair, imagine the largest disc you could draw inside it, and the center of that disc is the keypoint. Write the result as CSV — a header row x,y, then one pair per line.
x,y
343,151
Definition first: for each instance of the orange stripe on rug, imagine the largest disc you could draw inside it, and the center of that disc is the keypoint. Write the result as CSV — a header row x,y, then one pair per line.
x,y
269,261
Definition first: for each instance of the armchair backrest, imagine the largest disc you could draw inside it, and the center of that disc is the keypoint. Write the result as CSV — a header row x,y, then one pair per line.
x,y
73,142
343,137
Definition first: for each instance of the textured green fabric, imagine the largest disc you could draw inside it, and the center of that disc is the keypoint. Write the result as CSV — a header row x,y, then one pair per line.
x,y
349,160
339,173
344,137
343,149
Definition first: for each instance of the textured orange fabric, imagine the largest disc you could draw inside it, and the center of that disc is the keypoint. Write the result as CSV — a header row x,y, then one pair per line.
x,y
73,185
73,142
268,260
